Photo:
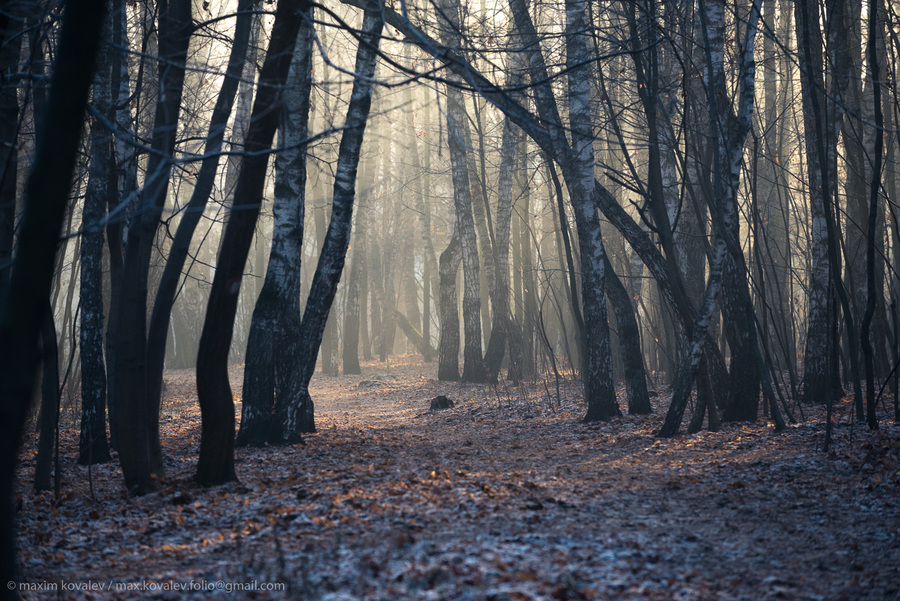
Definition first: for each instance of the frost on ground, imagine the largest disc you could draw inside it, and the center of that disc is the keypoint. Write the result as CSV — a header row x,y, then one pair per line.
x,y
505,496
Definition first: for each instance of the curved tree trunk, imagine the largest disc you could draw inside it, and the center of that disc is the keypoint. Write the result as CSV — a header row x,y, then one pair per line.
x,y
171,277
296,412
216,463
275,327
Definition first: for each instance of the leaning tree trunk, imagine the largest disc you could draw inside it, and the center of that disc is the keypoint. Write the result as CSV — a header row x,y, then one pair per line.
x,y
275,327
181,244
216,463
24,307
297,412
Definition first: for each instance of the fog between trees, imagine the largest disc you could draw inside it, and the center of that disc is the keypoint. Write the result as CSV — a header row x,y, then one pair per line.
x,y
685,197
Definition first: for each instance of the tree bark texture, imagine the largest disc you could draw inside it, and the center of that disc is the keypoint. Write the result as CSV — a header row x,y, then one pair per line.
x,y
216,463
448,348
92,446
139,453
274,330
298,410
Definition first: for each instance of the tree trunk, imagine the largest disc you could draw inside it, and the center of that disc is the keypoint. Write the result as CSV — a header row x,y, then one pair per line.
x,y
412,334
473,362
24,308
874,192
10,28
448,349
92,446
139,452
216,463
160,319
297,415
275,326
49,414
629,343
497,344
599,391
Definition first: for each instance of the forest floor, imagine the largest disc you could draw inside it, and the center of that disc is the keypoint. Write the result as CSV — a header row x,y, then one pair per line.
x,y
506,496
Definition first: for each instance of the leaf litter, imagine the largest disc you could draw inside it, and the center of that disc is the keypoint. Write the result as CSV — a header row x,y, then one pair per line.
x,y
505,496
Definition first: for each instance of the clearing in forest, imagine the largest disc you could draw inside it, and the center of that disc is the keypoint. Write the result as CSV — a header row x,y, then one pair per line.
x,y
503,496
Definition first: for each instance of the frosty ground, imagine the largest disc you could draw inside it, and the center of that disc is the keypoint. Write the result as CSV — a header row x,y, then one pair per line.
x,y
505,496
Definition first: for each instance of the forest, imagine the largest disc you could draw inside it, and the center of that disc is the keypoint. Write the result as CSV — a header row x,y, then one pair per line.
x,y
449,299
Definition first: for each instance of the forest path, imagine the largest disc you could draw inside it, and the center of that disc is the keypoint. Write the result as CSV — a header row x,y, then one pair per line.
x,y
505,496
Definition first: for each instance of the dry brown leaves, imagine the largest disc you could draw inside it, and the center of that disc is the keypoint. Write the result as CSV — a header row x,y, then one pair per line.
x,y
504,496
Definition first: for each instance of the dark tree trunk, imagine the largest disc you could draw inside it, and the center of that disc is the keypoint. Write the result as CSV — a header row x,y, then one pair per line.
x,y
629,343
49,415
160,320
92,446
24,307
139,451
9,135
274,329
448,348
874,192
216,463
